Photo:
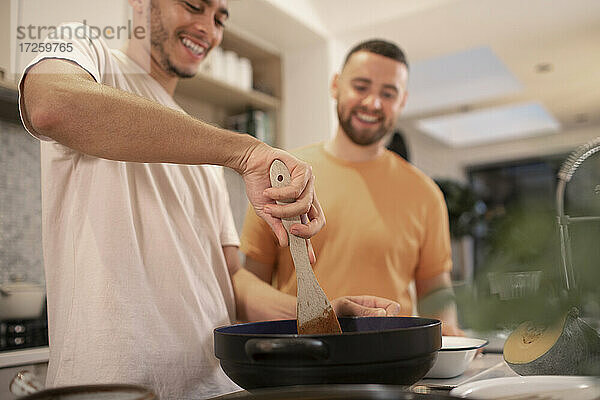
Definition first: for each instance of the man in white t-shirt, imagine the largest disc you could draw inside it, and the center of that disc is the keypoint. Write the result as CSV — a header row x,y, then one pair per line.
x,y
139,245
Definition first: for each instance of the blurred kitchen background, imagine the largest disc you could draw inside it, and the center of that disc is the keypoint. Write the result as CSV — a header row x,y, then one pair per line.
x,y
500,93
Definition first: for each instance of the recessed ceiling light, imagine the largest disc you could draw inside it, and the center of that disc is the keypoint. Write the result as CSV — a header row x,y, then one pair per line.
x,y
490,125
544,67
452,80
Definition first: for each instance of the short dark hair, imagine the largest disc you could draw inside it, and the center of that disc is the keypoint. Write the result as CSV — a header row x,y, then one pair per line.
x,y
381,47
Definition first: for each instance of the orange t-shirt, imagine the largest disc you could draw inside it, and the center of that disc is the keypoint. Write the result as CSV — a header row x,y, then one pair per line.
x,y
387,224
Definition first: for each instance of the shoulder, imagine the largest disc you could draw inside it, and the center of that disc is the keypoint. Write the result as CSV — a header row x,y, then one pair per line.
x,y
78,33
78,43
310,153
412,176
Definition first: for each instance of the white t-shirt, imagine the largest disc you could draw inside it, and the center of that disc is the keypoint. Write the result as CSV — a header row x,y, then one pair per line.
x,y
135,273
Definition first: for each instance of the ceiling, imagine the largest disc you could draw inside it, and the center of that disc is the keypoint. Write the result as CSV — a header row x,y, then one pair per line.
x,y
516,38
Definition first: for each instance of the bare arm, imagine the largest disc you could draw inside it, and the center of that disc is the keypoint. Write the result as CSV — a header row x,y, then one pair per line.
x,y
256,300
262,270
63,102
435,300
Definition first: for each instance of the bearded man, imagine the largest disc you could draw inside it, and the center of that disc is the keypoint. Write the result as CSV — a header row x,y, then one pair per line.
x,y
387,223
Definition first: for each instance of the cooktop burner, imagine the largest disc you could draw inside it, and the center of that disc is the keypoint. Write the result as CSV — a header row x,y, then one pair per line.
x,y
22,334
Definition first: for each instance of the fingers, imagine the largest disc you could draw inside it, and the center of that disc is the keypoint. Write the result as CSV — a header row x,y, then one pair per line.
x,y
278,229
301,205
315,222
300,174
366,306
344,307
391,307
311,252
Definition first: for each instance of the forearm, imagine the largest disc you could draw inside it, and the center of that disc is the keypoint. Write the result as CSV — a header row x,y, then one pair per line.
x,y
436,300
109,123
258,301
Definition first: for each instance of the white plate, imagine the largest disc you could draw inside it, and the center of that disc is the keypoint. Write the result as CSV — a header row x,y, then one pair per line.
x,y
561,387
457,343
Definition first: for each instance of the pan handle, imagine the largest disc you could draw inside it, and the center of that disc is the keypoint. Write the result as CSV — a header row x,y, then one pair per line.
x,y
286,349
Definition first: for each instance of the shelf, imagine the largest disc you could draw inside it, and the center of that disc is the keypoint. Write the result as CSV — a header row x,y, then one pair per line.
x,y
222,94
14,358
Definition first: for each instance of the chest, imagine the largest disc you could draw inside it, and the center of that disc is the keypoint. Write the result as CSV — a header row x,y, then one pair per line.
x,y
382,214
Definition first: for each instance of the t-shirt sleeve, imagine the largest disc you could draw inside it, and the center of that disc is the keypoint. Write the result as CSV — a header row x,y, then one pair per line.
x,y
435,256
72,42
258,240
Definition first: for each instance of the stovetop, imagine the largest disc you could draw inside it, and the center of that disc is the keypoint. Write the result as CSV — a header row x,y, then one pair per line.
x,y
23,334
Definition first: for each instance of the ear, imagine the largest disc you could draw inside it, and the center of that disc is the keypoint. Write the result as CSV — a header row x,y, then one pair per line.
x,y
334,86
138,6
404,100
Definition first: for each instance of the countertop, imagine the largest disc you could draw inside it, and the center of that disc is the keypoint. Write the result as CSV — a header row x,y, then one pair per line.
x,y
34,355
484,366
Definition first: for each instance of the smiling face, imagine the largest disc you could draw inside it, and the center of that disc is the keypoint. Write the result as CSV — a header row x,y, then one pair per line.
x,y
183,32
370,93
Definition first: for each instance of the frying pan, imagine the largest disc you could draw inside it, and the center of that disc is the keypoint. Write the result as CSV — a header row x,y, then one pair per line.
x,y
377,350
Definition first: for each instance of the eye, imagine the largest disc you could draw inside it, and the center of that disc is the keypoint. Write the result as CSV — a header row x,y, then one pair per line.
x,y
220,22
360,88
194,8
389,95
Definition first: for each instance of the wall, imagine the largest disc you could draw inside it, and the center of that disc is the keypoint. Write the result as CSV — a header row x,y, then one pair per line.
x,y
20,204
306,106
41,14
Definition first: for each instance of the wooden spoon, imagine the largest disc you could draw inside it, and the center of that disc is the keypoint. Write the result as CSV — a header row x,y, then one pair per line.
x,y
315,315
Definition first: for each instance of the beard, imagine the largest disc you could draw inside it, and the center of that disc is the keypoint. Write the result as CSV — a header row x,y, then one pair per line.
x,y
361,137
158,37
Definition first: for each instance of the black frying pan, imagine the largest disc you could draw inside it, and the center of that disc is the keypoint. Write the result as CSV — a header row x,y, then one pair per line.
x,y
381,350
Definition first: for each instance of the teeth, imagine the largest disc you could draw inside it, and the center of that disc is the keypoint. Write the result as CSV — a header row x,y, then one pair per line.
x,y
197,50
367,118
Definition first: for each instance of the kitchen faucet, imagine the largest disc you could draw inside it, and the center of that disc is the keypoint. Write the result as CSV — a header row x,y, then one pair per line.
x,y
568,168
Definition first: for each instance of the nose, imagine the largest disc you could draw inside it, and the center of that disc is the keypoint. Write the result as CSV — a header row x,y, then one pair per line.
x,y
204,24
372,101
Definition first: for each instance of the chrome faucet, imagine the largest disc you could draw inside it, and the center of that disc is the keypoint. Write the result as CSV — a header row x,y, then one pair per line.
x,y
568,168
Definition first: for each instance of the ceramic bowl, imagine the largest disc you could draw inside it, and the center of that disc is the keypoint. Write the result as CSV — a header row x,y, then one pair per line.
x,y
455,356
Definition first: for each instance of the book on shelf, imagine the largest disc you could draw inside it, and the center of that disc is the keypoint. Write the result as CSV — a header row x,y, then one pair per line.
x,y
253,122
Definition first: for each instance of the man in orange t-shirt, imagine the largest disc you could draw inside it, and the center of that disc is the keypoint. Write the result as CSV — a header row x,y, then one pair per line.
x,y
387,222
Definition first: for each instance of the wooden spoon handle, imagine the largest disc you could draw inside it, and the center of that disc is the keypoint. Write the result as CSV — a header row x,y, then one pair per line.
x,y
280,177
315,315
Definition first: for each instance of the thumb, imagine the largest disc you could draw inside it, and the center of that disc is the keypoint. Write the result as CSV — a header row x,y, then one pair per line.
x,y
351,308
362,311
393,309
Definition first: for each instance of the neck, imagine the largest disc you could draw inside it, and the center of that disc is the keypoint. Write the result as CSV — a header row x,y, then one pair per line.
x,y
140,55
342,147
